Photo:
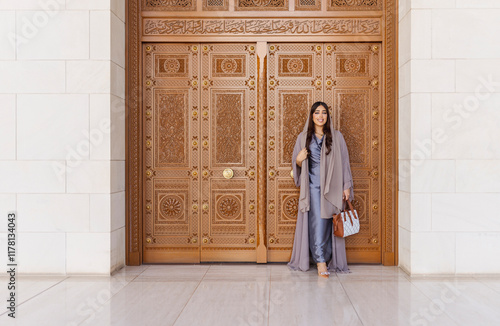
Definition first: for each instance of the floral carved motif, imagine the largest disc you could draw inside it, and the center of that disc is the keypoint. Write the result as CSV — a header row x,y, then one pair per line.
x,y
229,207
261,5
171,65
169,5
352,65
291,207
295,65
215,5
353,110
229,65
172,128
346,26
294,107
171,207
228,128
307,4
355,5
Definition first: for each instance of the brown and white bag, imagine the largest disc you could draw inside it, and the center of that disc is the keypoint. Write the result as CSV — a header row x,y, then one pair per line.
x,y
346,223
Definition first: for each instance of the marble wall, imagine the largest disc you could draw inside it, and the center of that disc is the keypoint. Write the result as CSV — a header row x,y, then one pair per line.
x,y
449,132
62,132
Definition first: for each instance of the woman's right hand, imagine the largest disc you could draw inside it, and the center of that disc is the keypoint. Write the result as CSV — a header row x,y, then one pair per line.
x,y
301,156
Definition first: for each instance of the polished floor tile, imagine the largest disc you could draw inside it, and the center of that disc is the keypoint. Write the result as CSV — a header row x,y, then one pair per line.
x,y
144,303
66,303
28,286
391,302
238,272
463,300
225,303
319,302
241,294
175,272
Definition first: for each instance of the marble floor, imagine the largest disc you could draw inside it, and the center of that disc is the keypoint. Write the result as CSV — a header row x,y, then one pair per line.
x,y
253,294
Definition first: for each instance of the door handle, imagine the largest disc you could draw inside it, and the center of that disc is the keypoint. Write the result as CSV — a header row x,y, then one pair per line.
x,y
228,173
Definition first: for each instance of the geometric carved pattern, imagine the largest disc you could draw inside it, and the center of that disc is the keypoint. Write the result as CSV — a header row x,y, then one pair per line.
x,y
171,132
229,208
171,187
171,66
342,75
295,65
354,108
295,82
356,101
228,66
295,26
215,5
352,66
286,211
295,107
228,99
170,210
172,5
228,128
307,4
354,4
261,5
290,207
171,207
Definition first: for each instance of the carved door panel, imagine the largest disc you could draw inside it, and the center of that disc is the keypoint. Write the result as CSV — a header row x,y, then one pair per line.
x,y
200,144
346,77
171,153
356,96
295,82
228,152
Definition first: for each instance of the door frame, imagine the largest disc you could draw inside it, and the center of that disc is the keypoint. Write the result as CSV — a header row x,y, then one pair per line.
x,y
135,21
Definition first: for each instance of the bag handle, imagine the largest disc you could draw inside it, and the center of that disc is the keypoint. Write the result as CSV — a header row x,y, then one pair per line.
x,y
351,208
349,212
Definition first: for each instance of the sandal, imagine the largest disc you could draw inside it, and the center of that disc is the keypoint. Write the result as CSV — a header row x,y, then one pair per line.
x,y
324,274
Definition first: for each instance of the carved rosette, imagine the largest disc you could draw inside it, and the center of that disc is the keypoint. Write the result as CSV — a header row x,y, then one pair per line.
x,y
291,207
229,207
171,207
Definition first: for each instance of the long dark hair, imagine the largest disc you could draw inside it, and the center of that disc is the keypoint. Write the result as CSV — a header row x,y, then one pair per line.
x,y
326,127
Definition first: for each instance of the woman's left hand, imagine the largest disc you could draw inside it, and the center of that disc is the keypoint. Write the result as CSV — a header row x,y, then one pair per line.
x,y
346,194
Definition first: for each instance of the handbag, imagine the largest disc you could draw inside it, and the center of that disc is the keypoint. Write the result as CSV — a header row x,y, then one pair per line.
x,y
346,222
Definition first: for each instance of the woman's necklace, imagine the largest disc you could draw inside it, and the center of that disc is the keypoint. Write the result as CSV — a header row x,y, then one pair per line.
x,y
319,135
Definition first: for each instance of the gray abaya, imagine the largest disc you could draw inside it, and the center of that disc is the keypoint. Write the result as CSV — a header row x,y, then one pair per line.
x,y
331,183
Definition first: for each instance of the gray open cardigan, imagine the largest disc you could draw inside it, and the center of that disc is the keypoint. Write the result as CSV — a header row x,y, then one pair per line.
x,y
335,178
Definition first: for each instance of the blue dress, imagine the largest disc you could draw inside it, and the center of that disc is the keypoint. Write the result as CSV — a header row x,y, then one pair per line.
x,y
320,229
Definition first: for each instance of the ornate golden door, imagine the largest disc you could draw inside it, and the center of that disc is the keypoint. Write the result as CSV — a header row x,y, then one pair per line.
x,y
221,88
295,81
346,77
228,154
200,152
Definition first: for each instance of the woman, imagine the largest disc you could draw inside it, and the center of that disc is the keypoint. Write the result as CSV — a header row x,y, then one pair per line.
x,y
322,171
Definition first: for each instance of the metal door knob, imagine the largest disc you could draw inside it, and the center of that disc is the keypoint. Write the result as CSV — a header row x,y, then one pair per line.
x,y
228,173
